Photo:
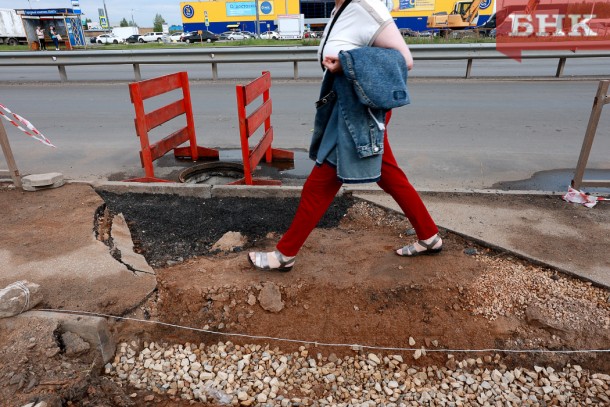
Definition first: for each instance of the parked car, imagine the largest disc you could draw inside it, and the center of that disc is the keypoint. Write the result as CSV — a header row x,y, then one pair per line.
x,y
194,36
270,35
176,37
408,32
152,37
224,35
237,36
249,34
109,39
93,40
310,34
132,39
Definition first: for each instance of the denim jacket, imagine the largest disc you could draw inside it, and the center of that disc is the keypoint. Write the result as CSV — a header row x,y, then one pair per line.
x,y
373,82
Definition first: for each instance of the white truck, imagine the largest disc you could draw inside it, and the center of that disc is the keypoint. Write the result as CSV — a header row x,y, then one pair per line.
x,y
125,32
291,27
11,28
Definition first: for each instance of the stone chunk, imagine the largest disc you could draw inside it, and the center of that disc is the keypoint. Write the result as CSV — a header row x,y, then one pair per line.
x,y
230,242
270,298
36,182
74,344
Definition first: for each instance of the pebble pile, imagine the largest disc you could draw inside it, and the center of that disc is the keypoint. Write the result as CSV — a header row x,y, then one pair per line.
x,y
509,288
255,375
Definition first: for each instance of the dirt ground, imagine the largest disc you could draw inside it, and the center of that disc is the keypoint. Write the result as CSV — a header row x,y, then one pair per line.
x,y
347,287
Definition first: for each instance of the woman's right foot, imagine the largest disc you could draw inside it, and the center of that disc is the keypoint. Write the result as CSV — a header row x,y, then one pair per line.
x,y
432,245
271,261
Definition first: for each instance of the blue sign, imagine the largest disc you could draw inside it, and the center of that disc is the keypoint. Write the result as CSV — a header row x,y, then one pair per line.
x,y
484,4
407,4
188,11
266,7
238,9
47,12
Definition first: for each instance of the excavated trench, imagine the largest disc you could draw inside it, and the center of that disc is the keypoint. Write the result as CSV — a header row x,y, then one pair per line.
x,y
348,288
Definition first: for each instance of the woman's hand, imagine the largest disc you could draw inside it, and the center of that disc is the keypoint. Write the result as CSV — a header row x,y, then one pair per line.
x,y
332,64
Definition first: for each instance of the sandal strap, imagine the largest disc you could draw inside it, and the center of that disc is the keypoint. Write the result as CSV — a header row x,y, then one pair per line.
x,y
262,260
430,245
284,261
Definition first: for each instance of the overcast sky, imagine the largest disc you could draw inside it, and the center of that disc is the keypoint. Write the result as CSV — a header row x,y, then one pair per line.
x,y
144,11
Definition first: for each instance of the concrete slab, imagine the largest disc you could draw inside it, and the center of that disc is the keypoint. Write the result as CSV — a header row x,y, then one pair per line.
x,y
42,180
92,329
48,238
540,228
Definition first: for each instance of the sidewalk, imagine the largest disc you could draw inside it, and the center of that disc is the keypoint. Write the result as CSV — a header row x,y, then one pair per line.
x,y
48,237
537,226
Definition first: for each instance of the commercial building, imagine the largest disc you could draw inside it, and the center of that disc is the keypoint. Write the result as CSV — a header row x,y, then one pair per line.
x,y
222,15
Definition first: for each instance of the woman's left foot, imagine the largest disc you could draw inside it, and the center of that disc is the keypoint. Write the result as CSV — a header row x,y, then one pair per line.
x,y
432,245
271,261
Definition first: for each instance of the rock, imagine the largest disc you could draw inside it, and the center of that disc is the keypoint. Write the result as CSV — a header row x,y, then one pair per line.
x,y
251,299
19,297
411,341
229,242
74,344
270,298
471,251
374,358
417,354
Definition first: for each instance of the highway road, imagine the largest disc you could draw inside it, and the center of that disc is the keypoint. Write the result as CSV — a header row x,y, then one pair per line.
x,y
593,67
457,134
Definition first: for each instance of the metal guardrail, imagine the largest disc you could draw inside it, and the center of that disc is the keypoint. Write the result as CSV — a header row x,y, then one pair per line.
x,y
296,54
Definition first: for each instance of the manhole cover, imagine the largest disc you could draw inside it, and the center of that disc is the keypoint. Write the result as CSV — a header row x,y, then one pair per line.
x,y
214,173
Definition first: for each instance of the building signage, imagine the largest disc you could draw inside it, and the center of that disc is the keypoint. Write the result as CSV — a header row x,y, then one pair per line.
x,y
248,8
188,11
76,7
47,12
485,4
413,5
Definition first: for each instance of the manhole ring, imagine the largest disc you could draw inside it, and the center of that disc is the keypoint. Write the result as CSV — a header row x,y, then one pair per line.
x,y
213,173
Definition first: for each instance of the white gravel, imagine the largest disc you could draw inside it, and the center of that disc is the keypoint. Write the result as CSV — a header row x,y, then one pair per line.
x,y
252,375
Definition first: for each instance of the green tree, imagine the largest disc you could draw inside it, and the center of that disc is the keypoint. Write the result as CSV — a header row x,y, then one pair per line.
x,y
158,23
124,22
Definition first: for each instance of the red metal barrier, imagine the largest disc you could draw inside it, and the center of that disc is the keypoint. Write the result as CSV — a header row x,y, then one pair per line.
x,y
248,125
144,122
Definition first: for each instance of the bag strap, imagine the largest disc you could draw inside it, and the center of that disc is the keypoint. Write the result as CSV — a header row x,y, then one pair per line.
x,y
332,23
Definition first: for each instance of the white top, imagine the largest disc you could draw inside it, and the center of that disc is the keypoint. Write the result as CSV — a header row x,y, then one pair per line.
x,y
358,26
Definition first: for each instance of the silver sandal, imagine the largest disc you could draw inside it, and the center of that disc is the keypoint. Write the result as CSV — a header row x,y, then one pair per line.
x,y
261,263
411,251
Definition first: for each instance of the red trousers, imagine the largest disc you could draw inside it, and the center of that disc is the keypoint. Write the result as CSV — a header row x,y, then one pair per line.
x,y
322,185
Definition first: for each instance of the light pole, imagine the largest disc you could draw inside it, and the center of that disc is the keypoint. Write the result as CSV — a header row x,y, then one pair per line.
x,y
106,12
133,23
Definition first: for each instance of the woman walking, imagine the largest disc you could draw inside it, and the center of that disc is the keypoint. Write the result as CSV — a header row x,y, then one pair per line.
x,y
366,61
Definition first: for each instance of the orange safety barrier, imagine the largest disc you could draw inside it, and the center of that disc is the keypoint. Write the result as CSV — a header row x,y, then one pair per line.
x,y
248,125
144,122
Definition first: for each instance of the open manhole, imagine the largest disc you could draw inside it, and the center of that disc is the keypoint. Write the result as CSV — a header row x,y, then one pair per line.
x,y
213,173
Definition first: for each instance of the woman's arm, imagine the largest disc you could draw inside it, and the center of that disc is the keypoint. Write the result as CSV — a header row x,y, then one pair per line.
x,y
390,37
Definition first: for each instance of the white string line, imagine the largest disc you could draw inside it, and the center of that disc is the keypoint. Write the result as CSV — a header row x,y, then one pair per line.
x,y
342,345
24,288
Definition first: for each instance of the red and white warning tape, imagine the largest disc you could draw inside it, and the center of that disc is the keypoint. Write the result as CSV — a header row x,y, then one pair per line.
x,y
34,133
576,196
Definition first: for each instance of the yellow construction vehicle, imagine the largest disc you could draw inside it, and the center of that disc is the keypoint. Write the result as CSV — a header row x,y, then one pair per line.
x,y
464,15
